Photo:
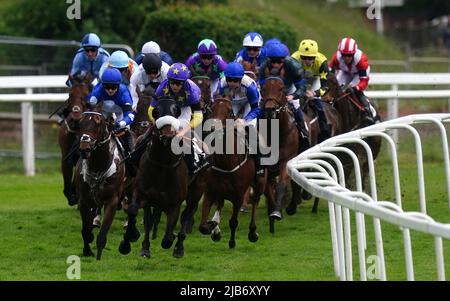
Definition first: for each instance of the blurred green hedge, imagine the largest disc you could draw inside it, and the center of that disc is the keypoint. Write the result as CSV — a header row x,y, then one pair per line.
x,y
178,30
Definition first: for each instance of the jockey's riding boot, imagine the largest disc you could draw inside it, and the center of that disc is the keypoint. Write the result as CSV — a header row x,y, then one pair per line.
x,y
62,115
301,127
197,159
325,128
255,150
128,146
367,114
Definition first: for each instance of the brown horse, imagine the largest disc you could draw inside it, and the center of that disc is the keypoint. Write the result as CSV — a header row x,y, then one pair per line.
x,y
69,133
311,117
141,122
204,83
275,106
350,111
229,177
99,178
250,69
162,183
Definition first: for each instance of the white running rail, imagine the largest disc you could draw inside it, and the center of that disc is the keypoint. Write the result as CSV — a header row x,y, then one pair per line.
x,y
312,170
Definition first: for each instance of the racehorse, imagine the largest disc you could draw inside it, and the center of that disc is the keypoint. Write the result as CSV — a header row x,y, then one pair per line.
x,y
204,83
99,177
163,183
350,111
311,116
141,122
250,69
69,133
275,106
229,177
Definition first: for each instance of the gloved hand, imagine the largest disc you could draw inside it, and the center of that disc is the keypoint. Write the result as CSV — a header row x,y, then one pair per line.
x,y
351,90
119,125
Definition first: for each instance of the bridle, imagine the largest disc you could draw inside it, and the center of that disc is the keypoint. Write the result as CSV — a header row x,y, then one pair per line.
x,y
94,143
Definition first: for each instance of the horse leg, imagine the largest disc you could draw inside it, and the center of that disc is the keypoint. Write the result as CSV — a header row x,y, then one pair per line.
x,y
156,219
233,223
316,204
257,192
148,223
206,208
110,212
131,233
86,230
270,196
187,218
291,209
69,188
281,190
169,237
214,223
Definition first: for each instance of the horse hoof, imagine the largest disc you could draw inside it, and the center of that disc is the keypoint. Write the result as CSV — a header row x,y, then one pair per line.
x,y
145,253
253,236
232,244
178,252
204,229
87,253
291,210
276,215
134,236
124,248
216,236
166,243
306,195
72,201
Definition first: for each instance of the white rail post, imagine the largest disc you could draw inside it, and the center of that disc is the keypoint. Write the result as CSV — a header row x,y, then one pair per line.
x,y
392,111
28,136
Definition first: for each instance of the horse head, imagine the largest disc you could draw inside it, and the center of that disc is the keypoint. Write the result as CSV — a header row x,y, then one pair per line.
x,y
204,83
165,115
250,69
221,111
93,132
80,89
141,122
273,97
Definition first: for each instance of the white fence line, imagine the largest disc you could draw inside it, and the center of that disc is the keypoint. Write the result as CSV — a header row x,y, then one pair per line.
x,y
58,81
329,184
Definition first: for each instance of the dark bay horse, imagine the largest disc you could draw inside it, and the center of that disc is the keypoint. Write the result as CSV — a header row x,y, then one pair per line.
x,y
275,106
311,117
350,111
250,69
141,122
99,178
163,183
230,176
69,133
204,83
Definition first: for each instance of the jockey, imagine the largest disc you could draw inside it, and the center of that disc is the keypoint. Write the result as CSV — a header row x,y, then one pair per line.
x,y
279,63
153,47
120,60
89,58
187,95
352,68
253,51
207,62
152,72
116,99
315,66
245,95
